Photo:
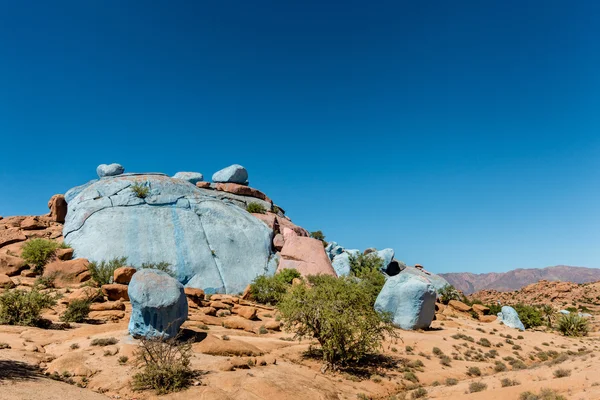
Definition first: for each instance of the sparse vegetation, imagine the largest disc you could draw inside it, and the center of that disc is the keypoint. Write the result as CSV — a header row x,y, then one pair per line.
x,y
477,387
256,208
561,373
270,289
77,311
367,268
161,266
102,272
46,282
545,394
37,252
530,316
319,236
101,342
451,382
419,393
339,314
20,307
165,365
448,293
509,382
474,371
140,190
500,366
573,325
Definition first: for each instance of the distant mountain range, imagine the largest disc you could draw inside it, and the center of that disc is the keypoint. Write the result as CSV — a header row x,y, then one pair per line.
x,y
517,278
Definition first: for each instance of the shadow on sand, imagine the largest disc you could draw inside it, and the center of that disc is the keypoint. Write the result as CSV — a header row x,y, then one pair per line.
x,y
11,370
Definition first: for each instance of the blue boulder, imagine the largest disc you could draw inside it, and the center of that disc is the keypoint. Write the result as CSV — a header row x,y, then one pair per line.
x,y
158,304
234,174
210,243
341,262
410,299
437,281
191,177
509,317
565,312
109,170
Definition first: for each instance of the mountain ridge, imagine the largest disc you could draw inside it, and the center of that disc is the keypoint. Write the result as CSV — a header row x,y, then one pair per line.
x,y
515,279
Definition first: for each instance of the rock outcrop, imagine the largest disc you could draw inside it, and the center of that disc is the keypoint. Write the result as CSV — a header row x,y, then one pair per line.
x,y
58,208
509,317
306,255
175,222
158,304
191,177
233,174
410,299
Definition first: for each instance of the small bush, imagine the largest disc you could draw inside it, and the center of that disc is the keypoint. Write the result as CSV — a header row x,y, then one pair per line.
x,y
20,307
509,382
123,360
545,394
140,190
477,387
161,266
318,235
530,316
37,253
255,208
419,393
101,342
562,372
166,365
445,360
448,293
367,268
74,346
270,289
484,342
339,314
4,345
500,366
437,351
451,382
102,272
474,371
77,311
573,325
46,281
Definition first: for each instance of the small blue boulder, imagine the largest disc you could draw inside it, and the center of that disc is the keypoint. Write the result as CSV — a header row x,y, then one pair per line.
x,y
158,304
509,317
410,299
109,170
233,174
191,177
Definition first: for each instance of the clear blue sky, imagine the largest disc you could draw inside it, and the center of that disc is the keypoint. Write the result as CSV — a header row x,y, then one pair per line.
x,y
465,135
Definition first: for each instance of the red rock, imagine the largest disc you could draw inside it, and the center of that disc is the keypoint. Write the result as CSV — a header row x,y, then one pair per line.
x,y
207,310
112,315
242,190
273,325
278,242
58,208
115,291
108,306
11,265
245,311
68,273
269,219
203,185
32,223
84,293
286,223
11,235
487,318
481,309
306,255
224,298
288,233
28,273
196,294
123,275
64,254
246,295
6,282
459,305
219,305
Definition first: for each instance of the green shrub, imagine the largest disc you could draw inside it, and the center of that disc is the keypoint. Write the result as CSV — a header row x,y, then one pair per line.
x,y
451,381
123,360
102,272
484,342
562,373
46,281
37,253
474,371
140,190
477,387
161,266
269,289
448,293
419,393
339,314
506,382
573,325
319,236
20,307
545,394
101,342
165,365
500,366
495,308
255,208
530,316
367,268
77,311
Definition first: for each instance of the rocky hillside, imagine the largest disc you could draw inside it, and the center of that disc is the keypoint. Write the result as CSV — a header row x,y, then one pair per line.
x,y
513,280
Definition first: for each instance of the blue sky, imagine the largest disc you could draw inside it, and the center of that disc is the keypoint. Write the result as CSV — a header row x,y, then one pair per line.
x,y
465,135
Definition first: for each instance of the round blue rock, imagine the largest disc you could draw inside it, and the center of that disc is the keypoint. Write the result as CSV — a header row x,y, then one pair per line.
x,y
233,174
509,317
109,170
191,177
158,302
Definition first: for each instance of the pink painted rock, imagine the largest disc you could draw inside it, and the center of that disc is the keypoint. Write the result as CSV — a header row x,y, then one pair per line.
x,y
203,185
123,275
288,233
286,223
278,242
306,255
68,273
58,208
242,190
269,219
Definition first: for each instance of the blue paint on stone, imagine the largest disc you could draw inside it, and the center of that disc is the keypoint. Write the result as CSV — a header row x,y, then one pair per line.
x,y
109,170
191,177
234,173
509,317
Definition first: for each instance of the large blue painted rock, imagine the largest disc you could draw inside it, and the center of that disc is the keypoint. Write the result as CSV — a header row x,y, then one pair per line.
x,y
333,249
410,299
158,304
437,281
341,262
191,177
210,243
509,317
234,173
109,170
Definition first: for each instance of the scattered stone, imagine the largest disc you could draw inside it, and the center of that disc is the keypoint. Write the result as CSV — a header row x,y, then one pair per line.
x,y
159,305
410,299
234,173
203,185
459,306
108,306
487,318
11,265
196,294
273,325
116,291
68,273
6,282
191,177
223,313
245,311
58,208
481,309
207,310
109,170
64,254
123,275
110,315
246,295
242,190
32,223
370,250
306,255
509,317
84,293
219,305
278,242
